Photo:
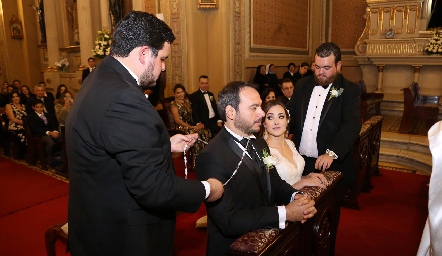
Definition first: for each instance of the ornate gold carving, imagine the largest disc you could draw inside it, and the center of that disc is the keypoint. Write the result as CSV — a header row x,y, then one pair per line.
x,y
380,68
361,45
417,68
382,47
207,4
238,41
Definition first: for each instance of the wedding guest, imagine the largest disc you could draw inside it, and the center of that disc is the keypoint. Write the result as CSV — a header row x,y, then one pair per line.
x,y
182,116
25,94
15,112
287,90
273,79
43,126
290,73
290,164
267,95
88,70
261,78
302,71
60,90
63,106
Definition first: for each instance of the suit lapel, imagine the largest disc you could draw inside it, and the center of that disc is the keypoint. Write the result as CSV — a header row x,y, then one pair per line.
x,y
337,84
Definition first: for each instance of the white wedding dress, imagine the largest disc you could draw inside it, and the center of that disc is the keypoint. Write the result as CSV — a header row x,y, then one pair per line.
x,y
289,172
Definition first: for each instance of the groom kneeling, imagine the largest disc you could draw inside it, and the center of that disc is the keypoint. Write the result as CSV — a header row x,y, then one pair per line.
x,y
251,193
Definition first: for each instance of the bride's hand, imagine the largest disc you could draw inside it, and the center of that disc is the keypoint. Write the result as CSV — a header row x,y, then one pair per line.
x,y
313,181
321,177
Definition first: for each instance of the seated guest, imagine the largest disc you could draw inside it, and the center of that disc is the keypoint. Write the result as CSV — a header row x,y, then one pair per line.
x,y
273,79
15,112
303,68
267,95
25,94
49,95
261,78
310,70
204,109
289,164
60,90
290,73
63,106
182,115
43,126
253,192
39,93
287,90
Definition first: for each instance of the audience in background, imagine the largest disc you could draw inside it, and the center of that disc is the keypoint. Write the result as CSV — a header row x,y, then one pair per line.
x,y
204,108
63,106
182,116
311,69
267,95
287,90
17,84
60,90
261,78
303,68
273,79
291,71
88,70
39,93
15,112
25,94
49,95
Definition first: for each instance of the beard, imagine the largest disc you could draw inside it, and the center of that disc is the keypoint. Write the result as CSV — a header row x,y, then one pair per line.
x,y
147,78
325,80
245,126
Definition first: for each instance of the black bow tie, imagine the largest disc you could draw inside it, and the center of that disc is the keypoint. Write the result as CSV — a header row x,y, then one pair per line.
x,y
323,86
205,92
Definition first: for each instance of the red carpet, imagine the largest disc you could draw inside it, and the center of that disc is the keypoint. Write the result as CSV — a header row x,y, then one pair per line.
x,y
390,221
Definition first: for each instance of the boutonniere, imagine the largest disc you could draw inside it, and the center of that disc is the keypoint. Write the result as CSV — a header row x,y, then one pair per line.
x,y
334,93
269,160
211,98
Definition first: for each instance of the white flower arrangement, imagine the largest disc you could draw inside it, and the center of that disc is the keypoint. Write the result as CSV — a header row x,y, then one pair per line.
x,y
102,44
269,160
334,92
435,44
62,63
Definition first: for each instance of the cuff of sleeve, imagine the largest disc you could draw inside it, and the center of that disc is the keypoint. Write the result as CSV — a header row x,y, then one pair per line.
x,y
207,188
294,194
282,216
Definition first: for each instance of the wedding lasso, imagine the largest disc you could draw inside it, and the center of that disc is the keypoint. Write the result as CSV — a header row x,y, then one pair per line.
x,y
234,172
185,158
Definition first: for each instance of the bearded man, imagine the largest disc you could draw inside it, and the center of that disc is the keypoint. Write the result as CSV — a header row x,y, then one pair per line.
x,y
325,117
124,193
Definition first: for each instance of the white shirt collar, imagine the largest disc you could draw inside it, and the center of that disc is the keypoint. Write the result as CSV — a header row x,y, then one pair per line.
x,y
238,137
130,72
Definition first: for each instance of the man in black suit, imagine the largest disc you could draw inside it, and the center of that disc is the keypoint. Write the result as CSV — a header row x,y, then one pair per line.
x,y
252,190
124,193
287,90
204,108
325,119
40,93
88,70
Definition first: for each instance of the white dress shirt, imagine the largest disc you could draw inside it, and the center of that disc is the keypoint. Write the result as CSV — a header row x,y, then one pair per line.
x,y
209,104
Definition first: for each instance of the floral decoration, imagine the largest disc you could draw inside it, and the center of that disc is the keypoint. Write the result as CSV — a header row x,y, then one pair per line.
x,y
334,92
435,44
102,44
269,160
64,62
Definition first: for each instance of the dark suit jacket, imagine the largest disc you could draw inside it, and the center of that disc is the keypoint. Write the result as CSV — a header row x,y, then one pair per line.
x,y
339,125
49,104
38,126
200,111
85,73
124,193
249,198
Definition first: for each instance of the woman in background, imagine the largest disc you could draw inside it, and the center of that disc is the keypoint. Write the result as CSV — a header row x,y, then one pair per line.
x,y
182,115
63,106
267,95
60,90
25,94
260,78
290,164
15,112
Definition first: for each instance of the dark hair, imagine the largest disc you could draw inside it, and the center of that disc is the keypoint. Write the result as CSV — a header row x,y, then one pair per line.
x,y
203,76
64,95
138,29
258,69
35,101
91,58
286,80
179,86
12,93
291,64
326,49
16,80
42,82
304,64
229,95
25,86
266,93
58,94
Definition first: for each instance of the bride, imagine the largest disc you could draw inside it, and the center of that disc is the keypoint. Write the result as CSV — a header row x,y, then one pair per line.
x,y
290,163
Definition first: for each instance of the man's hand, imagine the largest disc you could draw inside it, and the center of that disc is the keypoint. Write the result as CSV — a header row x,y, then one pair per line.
x,y
216,190
53,134
178,141
300,209
323,162
220,124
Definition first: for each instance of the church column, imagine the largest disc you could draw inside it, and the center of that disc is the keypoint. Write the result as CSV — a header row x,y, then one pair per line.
x,y
85,31
105,17
417,71
380,77
51,34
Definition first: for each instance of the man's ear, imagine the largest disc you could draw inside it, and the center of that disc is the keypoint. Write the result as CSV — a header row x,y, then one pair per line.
x,y
143,54
230,112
